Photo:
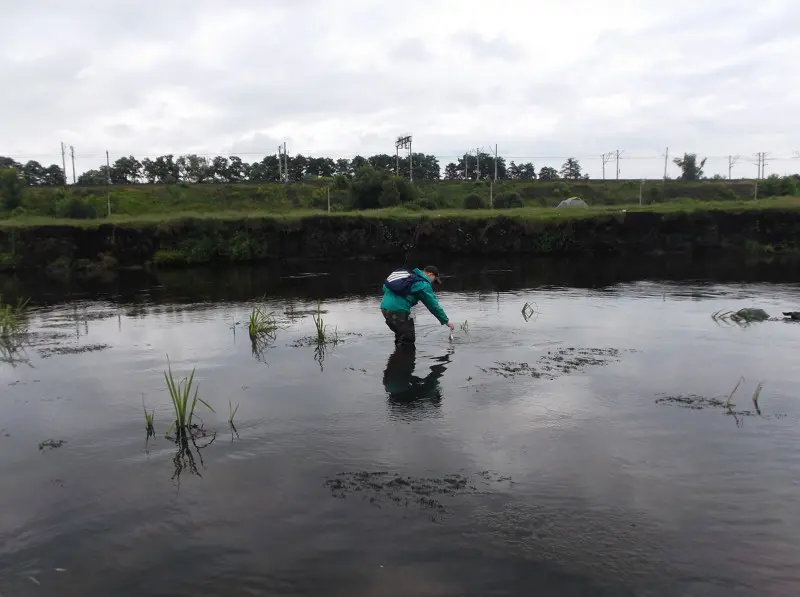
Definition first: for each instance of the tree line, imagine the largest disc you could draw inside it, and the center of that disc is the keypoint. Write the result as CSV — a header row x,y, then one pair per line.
x,y
196,169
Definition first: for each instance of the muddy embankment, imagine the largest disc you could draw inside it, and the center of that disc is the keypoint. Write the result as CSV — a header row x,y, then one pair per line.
x,y
199,241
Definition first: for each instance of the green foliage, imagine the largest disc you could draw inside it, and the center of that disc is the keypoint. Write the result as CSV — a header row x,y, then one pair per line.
x,y
74,208
474,201
690,169
508,200
11,186
372,189
778,186
183,401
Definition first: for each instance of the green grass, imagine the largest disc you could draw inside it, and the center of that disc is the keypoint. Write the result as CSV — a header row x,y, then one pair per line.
x,y
321,334
261,325
183,401
149,419
400,213
12,318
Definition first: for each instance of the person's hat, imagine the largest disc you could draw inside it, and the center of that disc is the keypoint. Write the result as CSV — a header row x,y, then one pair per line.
x,y
432,269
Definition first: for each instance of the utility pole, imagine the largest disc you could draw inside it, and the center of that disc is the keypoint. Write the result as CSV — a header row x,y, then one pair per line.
x,y
495,166
285,163
618,152
72,157
405,142
605,157
478,163
108,182
280,167
466,170
666,161
732,159
64,161
762,159
410,162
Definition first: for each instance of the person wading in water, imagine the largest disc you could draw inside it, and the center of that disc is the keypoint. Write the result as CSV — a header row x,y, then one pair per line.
x,y
402,289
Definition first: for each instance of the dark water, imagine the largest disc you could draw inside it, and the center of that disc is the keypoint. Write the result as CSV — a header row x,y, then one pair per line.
x,y
543,457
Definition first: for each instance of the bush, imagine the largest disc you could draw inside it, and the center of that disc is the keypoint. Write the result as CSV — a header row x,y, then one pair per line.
x,y
426,203
775,186
474,201
75,209
508,200
10,189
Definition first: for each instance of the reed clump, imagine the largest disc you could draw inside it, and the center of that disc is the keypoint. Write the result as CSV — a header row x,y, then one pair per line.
x,y
183,400
262,325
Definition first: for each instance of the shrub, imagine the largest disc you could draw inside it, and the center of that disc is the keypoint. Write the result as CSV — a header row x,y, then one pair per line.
x,y
508,201
10,188
74,208
474,201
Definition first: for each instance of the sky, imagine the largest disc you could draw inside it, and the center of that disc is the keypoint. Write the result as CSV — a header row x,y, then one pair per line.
x,y
542,81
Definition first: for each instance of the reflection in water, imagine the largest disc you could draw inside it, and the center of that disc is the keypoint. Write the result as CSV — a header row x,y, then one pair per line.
x,y
408,391
184,458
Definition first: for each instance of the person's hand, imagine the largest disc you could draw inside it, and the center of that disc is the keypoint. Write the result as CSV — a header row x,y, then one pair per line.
x,y
450,325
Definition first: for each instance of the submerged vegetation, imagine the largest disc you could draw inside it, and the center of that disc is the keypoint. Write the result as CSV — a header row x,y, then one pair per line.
x,y
742,317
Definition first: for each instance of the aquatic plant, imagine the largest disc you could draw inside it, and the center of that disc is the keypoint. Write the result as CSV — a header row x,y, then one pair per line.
x,y
183,401
232,411
12,317
261,324
149,418
528,311
465,327
741,317
736,387
321,329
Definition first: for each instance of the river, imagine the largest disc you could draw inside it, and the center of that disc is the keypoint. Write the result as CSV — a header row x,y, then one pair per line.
x,y
584,445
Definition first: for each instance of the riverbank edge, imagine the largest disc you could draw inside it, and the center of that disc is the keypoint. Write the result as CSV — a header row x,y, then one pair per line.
x,y
99,245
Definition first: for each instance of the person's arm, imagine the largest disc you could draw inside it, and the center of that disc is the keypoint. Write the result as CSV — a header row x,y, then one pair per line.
x,y
429,300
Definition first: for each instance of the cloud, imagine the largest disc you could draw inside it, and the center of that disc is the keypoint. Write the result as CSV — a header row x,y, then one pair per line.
x,y
575,78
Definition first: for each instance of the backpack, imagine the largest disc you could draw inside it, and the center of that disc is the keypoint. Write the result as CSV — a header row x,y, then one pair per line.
x,y
401,280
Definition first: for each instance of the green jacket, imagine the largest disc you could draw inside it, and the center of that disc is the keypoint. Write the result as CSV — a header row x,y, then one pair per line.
x,y
420,291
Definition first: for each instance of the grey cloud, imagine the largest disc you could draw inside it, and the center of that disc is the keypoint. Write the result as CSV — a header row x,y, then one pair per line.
x,y
294,66
412,49
483,48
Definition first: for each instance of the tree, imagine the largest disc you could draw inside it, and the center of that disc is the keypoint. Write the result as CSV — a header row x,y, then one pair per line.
x,y
451,172
548,173
126,170
690,169
524,171
571,169
11,185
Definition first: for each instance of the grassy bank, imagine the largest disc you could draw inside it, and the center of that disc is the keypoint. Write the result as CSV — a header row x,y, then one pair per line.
x,y
92,202
187,238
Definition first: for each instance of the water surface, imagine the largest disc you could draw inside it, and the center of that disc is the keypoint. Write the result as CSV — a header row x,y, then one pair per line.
x,y
497,464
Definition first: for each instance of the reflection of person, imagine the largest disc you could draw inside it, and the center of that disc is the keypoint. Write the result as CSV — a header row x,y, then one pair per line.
x,y
403,386
402,289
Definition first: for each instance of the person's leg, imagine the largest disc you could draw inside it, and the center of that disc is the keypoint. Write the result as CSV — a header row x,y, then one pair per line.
x,y
402,325
407,333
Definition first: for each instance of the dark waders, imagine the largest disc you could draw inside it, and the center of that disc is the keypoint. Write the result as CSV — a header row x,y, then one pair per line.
x,y
402,324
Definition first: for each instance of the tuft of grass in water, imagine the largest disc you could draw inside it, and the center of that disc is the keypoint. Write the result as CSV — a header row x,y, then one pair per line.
x,y
183,401
322,336
528,311
319,325
12,317
736,387
756,395
232,411
149,419
261,324
465,327
741,317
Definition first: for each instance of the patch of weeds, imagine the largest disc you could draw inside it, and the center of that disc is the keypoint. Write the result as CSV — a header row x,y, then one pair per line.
x,y
149,419
51,444
261,325
555,363
696,402
64,350
183,401
742,317
528,311
427,493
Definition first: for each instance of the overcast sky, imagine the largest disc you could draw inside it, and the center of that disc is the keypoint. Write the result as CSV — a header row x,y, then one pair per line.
x,y
345,77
